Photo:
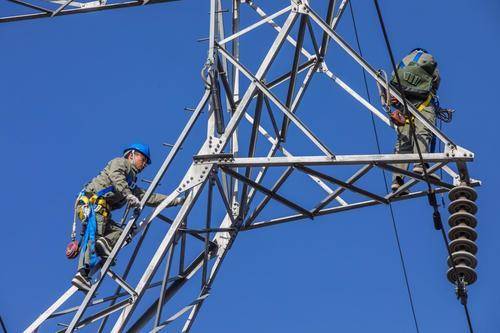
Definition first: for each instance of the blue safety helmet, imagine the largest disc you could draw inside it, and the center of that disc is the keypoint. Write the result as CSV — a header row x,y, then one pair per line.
x,y
141,148
419,49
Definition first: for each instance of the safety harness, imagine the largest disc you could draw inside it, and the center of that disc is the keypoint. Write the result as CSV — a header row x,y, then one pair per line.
x,y
90,204
396,116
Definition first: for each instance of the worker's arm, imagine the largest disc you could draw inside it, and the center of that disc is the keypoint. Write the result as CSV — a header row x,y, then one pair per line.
x,y
156,198
436,80
118,170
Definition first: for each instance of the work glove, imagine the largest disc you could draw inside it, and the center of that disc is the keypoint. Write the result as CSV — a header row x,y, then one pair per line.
x,y
394,101
133,201
178,201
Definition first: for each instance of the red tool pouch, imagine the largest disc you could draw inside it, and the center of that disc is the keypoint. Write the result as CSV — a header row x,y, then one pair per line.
x,y
72,250
398,118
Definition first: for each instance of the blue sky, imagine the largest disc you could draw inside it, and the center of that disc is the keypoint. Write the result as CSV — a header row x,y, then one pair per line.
x,y
76,89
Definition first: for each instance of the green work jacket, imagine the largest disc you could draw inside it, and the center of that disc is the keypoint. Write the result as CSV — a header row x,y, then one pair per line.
x,y
116,181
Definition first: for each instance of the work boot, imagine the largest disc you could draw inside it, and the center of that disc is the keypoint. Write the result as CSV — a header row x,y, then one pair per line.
x,y
396,184
82,281
417,168
103,248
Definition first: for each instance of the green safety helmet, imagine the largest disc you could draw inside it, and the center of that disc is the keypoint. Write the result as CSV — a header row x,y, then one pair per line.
x,y
141,148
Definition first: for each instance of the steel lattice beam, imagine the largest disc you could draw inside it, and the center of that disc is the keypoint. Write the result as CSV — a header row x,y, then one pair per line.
x,y
77,8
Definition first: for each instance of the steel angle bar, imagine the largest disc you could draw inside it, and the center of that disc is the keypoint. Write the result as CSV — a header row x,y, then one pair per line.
x,y
262,87
179,313
338,160
262,172
235,50
212,32
293,75
330,15
414,175
343,184
230,105
225,83
358,97
255,25
32,6
271,117
121,282
224,75
450,172
127,270
303,87
224,200
284,176
251,152
413,182
262,14
463,171
333,21
360,173
210,230
45,315
216,101
457,179
48,14
283,78
208,224
169,221
102,314
312,35
268,192
328,211
223,69
104,300
168,266
370,70
61,8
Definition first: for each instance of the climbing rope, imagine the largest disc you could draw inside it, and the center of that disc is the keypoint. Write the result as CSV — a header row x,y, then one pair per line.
x,y
391,210
460,284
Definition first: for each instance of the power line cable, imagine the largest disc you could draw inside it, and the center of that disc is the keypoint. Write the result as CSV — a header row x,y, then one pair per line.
x,y
394,226
3,325
461,290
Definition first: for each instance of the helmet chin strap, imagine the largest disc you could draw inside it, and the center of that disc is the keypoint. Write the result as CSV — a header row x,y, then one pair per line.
x,y
131,156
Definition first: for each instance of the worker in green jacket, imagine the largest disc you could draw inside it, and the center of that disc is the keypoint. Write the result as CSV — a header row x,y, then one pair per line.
x,y
420,80
113,188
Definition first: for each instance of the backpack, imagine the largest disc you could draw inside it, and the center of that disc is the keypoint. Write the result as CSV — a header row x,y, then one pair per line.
x,y
416,76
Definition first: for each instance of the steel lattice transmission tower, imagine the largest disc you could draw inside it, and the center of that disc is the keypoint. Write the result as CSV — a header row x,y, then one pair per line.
x,y
229,171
